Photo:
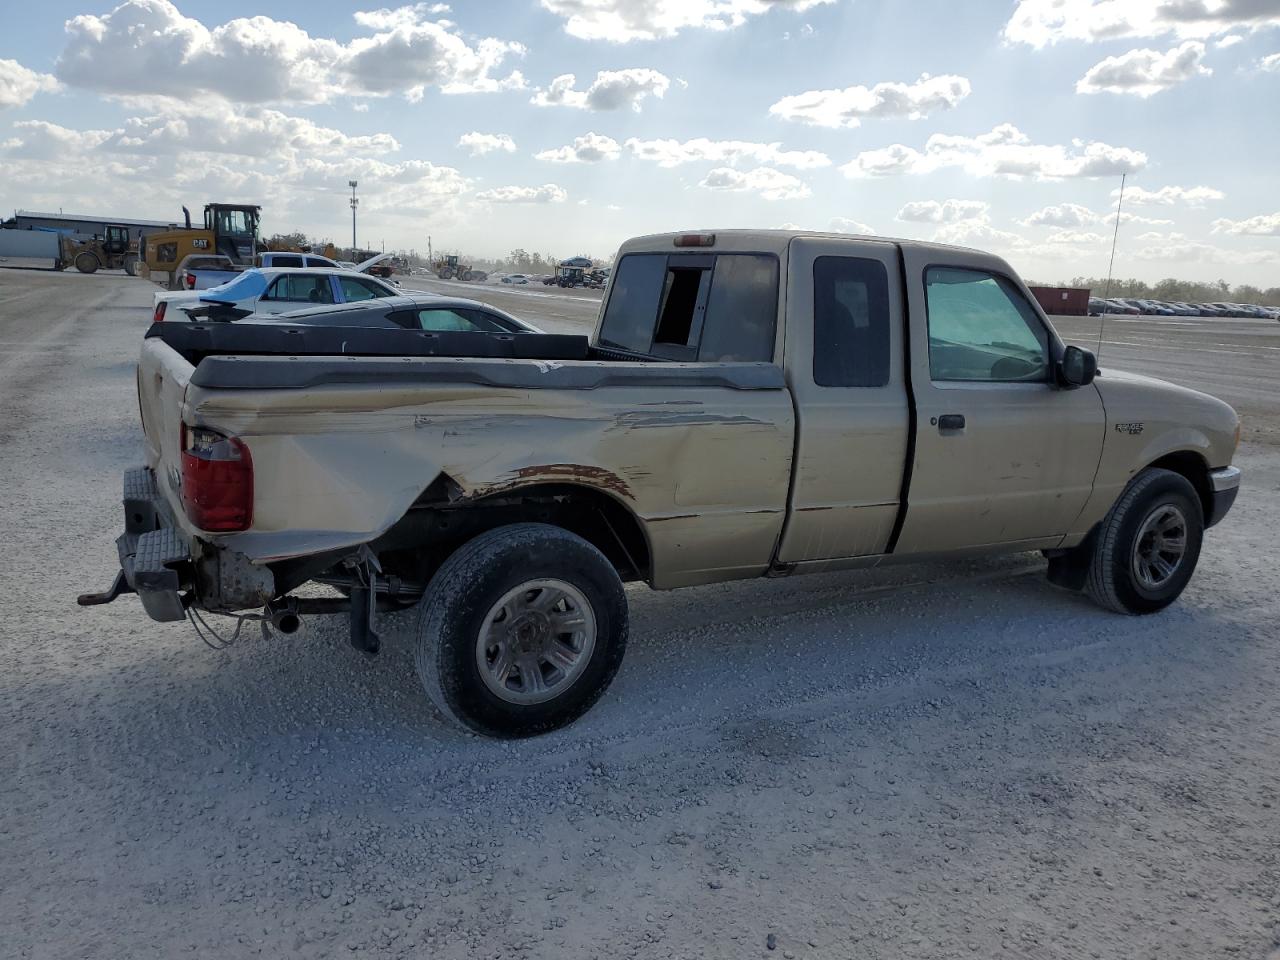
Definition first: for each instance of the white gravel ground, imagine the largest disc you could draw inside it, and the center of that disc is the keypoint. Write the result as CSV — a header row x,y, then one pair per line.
x,y
929,761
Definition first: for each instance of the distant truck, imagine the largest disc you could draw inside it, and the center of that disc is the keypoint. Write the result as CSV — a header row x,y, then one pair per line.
x,y
751,404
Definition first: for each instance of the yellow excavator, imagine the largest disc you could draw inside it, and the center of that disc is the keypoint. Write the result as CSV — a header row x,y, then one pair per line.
x,y
230,229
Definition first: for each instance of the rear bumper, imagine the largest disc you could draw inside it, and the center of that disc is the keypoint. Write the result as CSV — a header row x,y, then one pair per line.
x,y
1225,482
171,570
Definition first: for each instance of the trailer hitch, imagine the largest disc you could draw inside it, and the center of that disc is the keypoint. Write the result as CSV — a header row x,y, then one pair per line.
x,y
119,586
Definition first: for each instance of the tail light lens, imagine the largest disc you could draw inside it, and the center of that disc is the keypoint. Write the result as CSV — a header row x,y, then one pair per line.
x,y
159,314
190,281
217,480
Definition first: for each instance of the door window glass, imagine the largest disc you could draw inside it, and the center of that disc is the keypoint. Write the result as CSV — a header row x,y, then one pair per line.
x,y
850,322
301,287
354,288
982,328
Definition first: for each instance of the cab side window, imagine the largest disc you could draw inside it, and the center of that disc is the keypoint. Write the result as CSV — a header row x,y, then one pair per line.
x,y
850,322
302,288
981,328
354,288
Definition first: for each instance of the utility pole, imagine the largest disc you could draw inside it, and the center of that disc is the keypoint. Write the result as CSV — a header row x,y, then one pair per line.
x,y
354,203
430,256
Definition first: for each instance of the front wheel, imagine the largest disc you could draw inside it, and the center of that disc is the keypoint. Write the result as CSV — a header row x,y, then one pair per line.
x,y
1148,544
521,631
86,263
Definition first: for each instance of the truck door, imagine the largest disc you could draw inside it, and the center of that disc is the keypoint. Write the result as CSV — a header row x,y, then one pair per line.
x,y
1002,454
844,360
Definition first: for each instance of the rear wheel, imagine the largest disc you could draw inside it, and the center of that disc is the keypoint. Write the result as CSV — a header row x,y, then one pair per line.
x,y
131,266
86,263
521,631
1148,544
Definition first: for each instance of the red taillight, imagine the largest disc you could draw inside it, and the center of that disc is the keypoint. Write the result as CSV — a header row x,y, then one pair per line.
x,y
190,281
217,480
159,314
696,240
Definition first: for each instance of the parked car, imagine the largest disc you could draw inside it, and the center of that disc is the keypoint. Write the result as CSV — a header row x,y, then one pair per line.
x,y
1122,307
200,271
515,278
274,290
712,429
1097,306
1183,309
404,312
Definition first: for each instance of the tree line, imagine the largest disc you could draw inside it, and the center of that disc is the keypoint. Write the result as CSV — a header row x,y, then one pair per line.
x,y
1182,291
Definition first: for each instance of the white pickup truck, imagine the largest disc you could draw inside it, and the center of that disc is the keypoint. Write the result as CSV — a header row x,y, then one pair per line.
x,y
752,403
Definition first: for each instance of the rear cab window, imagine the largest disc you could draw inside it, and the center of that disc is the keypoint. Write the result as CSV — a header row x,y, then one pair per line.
x,y
711,308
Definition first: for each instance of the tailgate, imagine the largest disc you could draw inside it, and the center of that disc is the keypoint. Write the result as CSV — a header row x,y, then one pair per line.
x,y
163,376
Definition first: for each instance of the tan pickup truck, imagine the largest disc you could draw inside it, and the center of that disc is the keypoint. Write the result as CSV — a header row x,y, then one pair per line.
x,y
751,403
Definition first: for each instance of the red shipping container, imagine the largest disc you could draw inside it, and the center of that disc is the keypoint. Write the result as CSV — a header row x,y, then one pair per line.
x,y
1062,301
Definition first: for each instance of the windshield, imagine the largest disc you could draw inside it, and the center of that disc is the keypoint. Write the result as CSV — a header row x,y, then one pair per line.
x,y
251,283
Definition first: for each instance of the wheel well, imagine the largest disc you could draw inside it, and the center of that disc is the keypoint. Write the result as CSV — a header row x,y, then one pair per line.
x,y
441,521
1192,466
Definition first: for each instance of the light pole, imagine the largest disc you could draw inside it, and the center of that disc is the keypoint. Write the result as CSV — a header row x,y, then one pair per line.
x,y
354,203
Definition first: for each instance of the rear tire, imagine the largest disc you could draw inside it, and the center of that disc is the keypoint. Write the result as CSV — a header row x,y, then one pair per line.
x,y
86,263
521,631
131,266
1148,544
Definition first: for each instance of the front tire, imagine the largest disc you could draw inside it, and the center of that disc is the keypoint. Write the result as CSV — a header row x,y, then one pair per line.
x,y
521,631
86,263
1148,544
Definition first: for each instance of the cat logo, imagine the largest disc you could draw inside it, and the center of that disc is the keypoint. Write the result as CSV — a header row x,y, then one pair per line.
x,y
1133,429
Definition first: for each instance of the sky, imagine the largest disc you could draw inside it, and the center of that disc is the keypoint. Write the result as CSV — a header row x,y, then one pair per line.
x,y
566,126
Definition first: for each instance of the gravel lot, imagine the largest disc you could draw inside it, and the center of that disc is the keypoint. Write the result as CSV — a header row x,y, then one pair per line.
x,y
927,761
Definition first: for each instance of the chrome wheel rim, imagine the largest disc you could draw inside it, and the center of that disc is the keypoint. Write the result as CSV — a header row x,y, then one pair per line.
x,y
1159,547
536,641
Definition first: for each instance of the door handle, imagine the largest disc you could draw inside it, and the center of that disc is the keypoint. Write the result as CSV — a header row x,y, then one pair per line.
x,y
950,421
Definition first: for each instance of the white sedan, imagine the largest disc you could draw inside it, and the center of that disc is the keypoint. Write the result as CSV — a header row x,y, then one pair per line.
x,y
515,278
271,291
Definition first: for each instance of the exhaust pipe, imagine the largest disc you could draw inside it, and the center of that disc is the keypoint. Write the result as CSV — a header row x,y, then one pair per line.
x,y
284,618
187,216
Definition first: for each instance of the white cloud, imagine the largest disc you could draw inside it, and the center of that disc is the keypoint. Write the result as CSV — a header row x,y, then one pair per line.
x,y
1061,215
18,84
1228,41
478,144
1168,196
848,107
767,182
1004,152
611,90
589,148
547,193
1075,215
1144,73
1270,62
261,60
948,211
1177,248
1042,22
673,153
215,128
621,21
978,233
846,225
1263,225
1075,237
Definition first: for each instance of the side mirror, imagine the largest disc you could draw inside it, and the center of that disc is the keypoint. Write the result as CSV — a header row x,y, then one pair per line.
x,y
1077,368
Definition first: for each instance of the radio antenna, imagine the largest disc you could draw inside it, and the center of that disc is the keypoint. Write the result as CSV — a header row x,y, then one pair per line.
x,y
1102,321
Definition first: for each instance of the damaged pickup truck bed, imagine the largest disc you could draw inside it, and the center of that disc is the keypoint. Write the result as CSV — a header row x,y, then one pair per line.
x,y
752,403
